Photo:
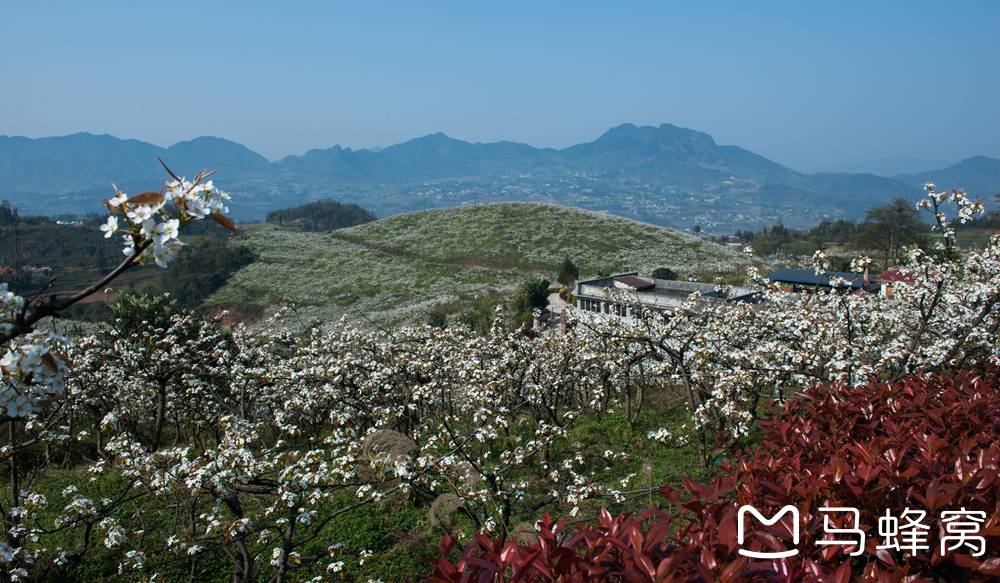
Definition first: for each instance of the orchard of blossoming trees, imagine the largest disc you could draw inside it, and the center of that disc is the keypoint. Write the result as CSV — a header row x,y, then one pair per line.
x,y
168,444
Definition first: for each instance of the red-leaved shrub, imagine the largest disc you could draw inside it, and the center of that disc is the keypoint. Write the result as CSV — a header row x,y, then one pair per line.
x,y
928,444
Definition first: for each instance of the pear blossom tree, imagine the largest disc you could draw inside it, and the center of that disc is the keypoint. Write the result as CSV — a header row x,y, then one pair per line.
x,y
35,365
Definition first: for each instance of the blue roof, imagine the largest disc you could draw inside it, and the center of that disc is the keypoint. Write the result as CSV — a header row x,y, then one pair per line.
x,y
809,277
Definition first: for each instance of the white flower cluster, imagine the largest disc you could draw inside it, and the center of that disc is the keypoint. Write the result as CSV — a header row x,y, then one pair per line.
x,y
33,371
153,220
966,210
728,357
860,264
10,305
32,368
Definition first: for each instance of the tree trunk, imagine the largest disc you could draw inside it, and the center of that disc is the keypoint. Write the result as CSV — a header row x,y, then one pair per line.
x,y
161,410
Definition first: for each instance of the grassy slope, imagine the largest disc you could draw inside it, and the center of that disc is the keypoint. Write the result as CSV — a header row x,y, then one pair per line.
x,y
396,269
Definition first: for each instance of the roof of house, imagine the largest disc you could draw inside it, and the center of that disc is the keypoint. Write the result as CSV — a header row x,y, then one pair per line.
x,y
635,282
894,274
810,277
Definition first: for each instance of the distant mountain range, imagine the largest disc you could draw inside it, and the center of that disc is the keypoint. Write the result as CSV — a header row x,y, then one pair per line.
x,y
667,175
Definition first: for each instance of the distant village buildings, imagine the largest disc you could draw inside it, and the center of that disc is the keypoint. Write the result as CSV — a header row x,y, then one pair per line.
x,y
804,280
624,293
808,279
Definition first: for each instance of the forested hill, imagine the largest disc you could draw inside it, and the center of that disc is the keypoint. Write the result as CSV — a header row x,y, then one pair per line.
x,y
321,215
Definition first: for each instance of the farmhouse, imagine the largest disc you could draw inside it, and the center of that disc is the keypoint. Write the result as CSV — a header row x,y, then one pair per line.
x,y
894,278
622,294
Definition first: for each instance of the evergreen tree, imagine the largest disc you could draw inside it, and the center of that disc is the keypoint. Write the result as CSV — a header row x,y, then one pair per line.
x,y
568,272
530,294
664,273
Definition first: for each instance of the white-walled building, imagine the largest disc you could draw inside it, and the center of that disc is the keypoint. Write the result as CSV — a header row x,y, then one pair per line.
x,y
621,294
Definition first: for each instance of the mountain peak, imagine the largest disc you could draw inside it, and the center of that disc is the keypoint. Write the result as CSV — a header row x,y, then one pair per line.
x,y
194,153
435,138
980,160
624,129
89,137
206,140
435,142
630,135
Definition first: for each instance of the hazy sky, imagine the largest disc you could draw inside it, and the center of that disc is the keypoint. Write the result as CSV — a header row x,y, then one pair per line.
x,y
881,86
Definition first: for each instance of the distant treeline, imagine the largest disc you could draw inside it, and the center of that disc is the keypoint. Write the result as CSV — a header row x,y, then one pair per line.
x,y
69,242
778,238
322,215
886,230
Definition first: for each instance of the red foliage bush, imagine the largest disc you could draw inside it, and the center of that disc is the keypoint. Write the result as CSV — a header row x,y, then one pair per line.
x,y
926,443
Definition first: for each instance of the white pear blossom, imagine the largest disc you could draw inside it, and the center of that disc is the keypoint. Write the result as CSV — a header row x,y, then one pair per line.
x,y
110,227
117,199
166,231
198,208
163,255
140,214
178,190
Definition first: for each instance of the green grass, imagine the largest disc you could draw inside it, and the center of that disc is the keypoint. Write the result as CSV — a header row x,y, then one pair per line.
x,y
396,270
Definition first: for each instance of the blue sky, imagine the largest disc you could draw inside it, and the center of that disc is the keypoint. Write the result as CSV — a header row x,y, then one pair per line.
x,y
881,86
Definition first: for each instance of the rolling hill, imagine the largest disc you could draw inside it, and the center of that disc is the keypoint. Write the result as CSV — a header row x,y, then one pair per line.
x,y
395,270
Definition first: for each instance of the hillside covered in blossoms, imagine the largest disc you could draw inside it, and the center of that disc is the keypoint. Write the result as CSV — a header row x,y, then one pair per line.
x,y
395,270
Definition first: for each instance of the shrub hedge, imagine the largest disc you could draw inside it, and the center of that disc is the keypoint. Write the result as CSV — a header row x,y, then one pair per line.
x,y
926,443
